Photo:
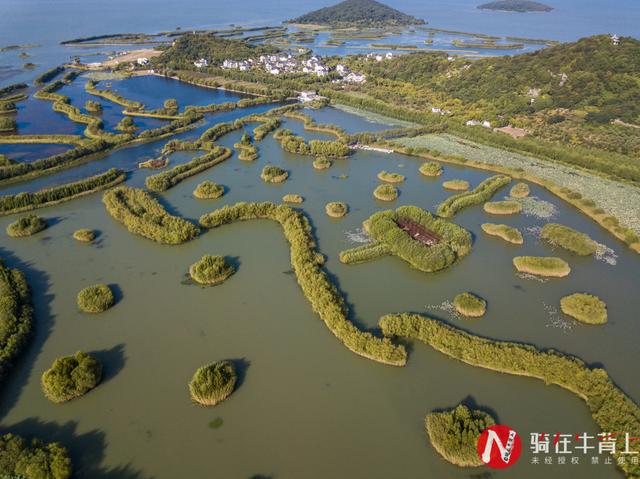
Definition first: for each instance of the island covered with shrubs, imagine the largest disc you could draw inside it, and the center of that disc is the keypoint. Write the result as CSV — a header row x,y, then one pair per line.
x,y
569,239
26,226
208,190
506,232
542,266
585,308
454,434
95,299
70,377
438,245
211,270
468,304
213,383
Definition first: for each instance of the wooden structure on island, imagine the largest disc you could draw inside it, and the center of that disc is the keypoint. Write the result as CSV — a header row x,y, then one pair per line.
x,y
418,232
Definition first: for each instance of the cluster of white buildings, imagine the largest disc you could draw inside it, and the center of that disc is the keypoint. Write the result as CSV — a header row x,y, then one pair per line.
x,y
484,123
201,63
379,57
283,64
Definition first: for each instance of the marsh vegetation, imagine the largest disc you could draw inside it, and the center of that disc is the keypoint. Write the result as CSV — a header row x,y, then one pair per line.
x,y
26,226
213,383
542,266
586,308
211,270
95,299
507,233
70,377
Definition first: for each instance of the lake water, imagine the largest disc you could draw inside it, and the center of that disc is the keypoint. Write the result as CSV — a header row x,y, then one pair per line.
x,y
306,407
47,23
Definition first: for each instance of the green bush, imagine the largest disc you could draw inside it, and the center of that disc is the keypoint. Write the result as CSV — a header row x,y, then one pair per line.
x,y
454,434
611,409
95,299
70,377
144,216
431,168
324,297
542,266
519,190
482,193
213,383
502,207
586,308
468,304
569,239
26,226
84,235
386,193
16,316
273,174
507,233
456,185
336,209
208,190
127,125
211,270
22,459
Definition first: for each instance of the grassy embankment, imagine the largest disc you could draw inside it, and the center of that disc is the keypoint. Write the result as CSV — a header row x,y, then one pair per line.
x,y
481,193
20,202
144,216
611,409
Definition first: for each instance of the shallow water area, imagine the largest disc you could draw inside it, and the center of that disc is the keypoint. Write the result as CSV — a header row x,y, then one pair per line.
x,y
306,407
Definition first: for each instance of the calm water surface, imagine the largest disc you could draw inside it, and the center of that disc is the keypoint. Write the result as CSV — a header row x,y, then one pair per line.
x,y
306,407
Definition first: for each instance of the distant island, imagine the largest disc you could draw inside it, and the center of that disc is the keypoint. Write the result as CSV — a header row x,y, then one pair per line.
x,y
358,13
516,6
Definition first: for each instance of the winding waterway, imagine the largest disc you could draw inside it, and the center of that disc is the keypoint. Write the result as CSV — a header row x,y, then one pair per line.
x,y
306,407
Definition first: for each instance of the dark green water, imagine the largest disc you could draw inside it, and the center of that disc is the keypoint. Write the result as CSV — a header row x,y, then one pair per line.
x,y
306,406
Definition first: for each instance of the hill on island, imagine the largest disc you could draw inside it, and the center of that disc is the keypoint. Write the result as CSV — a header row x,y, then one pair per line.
x,y
516,6
358,13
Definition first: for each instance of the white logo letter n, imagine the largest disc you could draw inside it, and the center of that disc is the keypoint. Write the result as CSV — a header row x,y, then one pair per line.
x,y
505,450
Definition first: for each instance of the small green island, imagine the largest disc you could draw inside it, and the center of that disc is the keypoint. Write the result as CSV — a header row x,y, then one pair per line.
x,y
208,190
213,383
586,308
521,6
84,235
336,209
542,266
454,434
426,242
386,192
211,270
26,226
71,376
505,232
568,239
273,174
470,305
95,299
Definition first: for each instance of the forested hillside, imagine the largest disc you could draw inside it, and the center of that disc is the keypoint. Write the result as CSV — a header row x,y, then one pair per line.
x,y
361,13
